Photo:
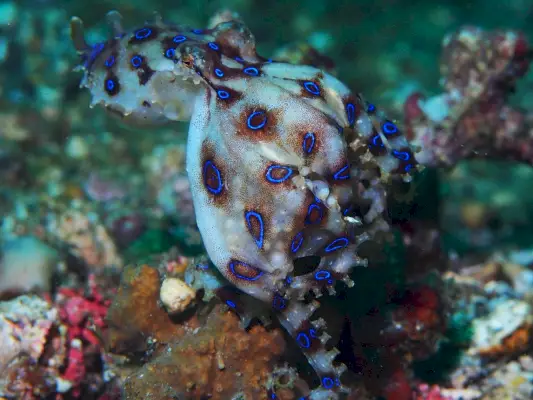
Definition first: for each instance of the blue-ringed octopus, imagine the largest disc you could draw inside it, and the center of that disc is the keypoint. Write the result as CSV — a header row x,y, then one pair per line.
x,y
287,166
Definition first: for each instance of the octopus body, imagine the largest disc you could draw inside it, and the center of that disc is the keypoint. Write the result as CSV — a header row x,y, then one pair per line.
x,y
286,164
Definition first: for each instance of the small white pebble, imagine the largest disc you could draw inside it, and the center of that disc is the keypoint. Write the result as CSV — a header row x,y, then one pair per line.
x,y
176,295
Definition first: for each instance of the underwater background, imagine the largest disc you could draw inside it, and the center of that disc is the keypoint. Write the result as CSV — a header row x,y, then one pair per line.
x,y
106,289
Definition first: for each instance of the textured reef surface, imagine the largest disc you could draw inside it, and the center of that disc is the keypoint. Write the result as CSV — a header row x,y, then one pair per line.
x,y
186,254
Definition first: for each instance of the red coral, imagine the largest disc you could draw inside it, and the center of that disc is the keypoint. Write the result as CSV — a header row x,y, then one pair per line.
x,y
81,314
426,392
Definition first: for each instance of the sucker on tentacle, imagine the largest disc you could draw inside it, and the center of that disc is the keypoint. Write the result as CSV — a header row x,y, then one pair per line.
x,y
287,166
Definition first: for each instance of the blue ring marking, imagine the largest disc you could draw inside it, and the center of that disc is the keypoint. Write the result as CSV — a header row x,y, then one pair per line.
x,y
270,178
389,128
376,141
252,71
288,280
322,275
217,190
179,39
170,53
269,61
371,108
313,334
198,31
136,61
231,304
238,59
110,61
223,94
327,382
110,84
408,167
246,278
143,33
310,209
343,173
219,72
339,243
303,340
308,143
350,113
278,302
213,46
297,242
261,124
312,88
401,155
259,218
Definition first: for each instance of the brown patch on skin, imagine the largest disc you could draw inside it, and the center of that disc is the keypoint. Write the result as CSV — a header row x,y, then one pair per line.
x,y
116,87
266,132
209,176
242,273
144,72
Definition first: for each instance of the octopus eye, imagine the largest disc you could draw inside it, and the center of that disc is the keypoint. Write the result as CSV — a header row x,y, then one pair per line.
x,y
312,88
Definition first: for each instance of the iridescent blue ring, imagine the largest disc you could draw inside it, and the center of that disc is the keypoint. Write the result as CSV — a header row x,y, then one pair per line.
x,y
213,46
170,53
308,142
179,39
259,218
350,113
327,382
143,33
343,173
136,61
251,71
322,275
110,61
215,190
303,340
219,72
389,128
297,242
223,94
231,304
337,244
243,277
270,178
261,124
401,155
312,87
